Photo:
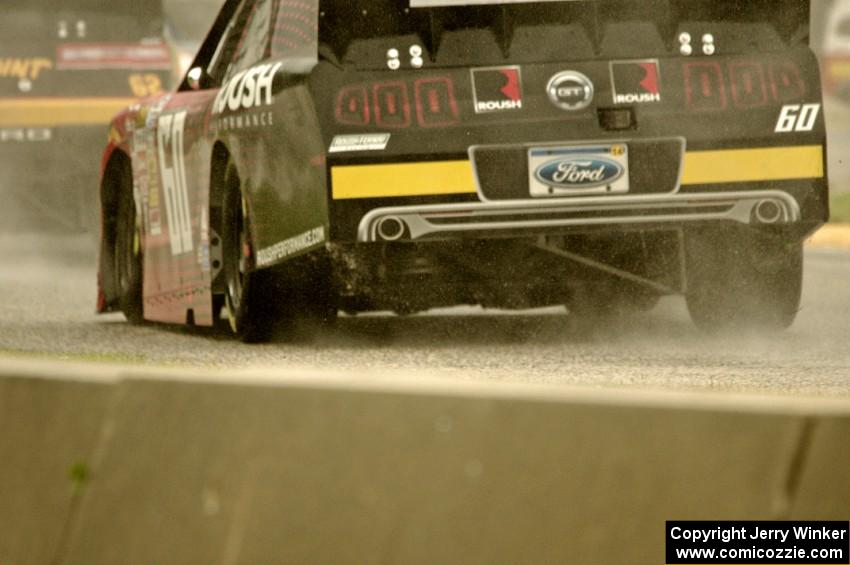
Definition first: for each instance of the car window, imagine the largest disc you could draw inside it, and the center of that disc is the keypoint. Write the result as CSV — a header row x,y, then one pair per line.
x,y
229,43
253,44
296,30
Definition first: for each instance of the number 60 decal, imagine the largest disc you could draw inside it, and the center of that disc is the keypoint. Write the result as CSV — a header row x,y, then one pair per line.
x,y
170,129
796,117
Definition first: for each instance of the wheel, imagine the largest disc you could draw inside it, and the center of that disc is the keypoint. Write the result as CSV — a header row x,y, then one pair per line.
x,y
248,301
742,280
127,252
297,297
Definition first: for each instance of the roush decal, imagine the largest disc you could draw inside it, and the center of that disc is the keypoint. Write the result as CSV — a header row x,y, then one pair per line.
x,y
636,82
240,121
249,89
291,246
243,101
359,142
497,89
570,90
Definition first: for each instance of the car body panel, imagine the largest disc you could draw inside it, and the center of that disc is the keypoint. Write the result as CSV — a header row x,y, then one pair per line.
x,y
731,136
171,144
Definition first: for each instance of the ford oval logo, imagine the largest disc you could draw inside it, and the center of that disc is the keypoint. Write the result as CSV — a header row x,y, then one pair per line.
x,y
579,172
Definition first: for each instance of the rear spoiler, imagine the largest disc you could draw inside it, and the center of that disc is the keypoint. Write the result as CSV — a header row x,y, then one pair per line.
x,y
790,18
753,25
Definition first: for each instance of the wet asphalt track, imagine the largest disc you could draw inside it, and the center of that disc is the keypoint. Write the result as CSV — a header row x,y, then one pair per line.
x,y
48,289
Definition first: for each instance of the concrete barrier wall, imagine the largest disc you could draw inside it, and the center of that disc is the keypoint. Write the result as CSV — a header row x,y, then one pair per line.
x,y
824,480
48,435
292,470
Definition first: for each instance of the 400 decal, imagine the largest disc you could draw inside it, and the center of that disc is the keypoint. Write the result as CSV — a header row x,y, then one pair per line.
x,y
395,104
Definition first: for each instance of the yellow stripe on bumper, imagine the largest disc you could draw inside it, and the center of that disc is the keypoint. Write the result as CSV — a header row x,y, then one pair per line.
x,y
456,177
402,179
753,165
51,112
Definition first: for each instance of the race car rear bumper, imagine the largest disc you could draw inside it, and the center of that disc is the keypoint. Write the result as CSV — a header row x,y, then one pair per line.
x,y
492,219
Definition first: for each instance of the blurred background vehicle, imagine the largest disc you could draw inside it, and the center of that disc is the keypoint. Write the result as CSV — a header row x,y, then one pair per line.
x,y
65,70
836,49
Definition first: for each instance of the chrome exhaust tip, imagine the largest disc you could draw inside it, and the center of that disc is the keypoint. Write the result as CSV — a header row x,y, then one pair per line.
x,y
768,212
391,228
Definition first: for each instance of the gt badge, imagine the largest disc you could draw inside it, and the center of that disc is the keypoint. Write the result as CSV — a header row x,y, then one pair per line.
x,y
636,82
497,89
570,90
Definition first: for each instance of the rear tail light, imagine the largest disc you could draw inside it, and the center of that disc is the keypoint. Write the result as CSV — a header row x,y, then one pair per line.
x,y
751,83
391,104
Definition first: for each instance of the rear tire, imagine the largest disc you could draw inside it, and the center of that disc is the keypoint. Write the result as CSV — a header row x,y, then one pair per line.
x,y
127,252
248,301
294,298
742,280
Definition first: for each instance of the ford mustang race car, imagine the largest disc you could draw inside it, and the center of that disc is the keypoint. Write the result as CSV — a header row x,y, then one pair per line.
x,y
329,155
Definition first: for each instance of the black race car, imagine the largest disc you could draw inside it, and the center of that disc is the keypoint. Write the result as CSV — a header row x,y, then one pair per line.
x,y
327,155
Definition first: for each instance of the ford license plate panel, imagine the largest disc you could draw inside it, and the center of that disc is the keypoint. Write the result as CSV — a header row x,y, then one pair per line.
x,y
578,170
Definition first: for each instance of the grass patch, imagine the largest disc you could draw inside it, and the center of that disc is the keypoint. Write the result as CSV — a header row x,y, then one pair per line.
x,y
840,208
108,358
